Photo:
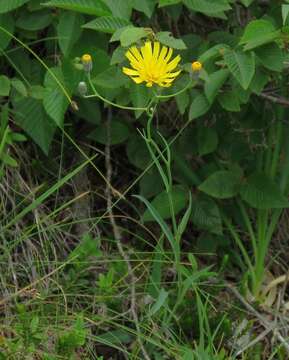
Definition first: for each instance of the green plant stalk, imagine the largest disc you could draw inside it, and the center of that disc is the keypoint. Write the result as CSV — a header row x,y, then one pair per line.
x,y
96,94
266,229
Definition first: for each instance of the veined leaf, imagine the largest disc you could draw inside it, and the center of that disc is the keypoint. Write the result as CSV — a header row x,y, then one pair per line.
x,y
271,57
223,184
213,52
162,206
107,24
91,7
241,65
5,85
166,38
206,214
207,140
199,107
131,35
247,2
258,33
229,101
163,3
7,22
214,82
31,117
147,6
261,192
209,7
119,8
69,30
54,101
9,5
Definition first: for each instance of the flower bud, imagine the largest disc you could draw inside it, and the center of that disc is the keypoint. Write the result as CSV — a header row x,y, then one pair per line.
x,y
196,68
86,62
82,88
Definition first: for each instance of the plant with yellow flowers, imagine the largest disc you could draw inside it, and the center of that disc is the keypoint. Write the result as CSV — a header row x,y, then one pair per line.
x,y
154,65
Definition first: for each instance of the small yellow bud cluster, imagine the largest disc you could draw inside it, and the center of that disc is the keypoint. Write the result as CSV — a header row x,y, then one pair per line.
x,y
86,60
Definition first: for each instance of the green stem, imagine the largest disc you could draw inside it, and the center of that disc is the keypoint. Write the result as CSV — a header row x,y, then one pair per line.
x,y
177,93
248,225
96,94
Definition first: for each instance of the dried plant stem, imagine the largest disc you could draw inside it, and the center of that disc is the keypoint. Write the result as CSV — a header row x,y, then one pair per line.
x,y
118,238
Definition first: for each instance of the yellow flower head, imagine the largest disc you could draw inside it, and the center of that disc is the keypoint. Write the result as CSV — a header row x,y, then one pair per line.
x,y
197,66
151,64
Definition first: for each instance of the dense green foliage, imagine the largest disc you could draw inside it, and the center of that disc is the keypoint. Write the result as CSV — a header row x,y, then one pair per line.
x,y
129,213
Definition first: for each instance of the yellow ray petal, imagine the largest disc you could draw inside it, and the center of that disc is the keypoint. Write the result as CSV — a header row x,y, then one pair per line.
x,y
129,72
137,80
156,50
169,55
134,50
146,51
134,63
173,64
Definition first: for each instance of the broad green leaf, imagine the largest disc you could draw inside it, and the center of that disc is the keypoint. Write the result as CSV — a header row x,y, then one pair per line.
x,y
69,30
247,2
5,85
162,205
9,5
214,82
107,24
168,2
91,7
166,38
34,21
207,140
222,184
7,22
54,100
147,6
260,192
271,56
183,101
150,184
285,13
137,153
258,33
259,81
208,7
120,9
119,133
213,52
241,65
19,86
31,117
199,107
229,101
140,97
131,35
206,214
112,78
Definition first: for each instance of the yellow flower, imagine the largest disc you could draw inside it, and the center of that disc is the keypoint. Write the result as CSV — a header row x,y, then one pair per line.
x,y
151,64
197,66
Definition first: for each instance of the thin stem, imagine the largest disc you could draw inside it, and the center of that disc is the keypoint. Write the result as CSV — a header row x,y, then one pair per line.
x,y
240,245
96,94
248,225
177,93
